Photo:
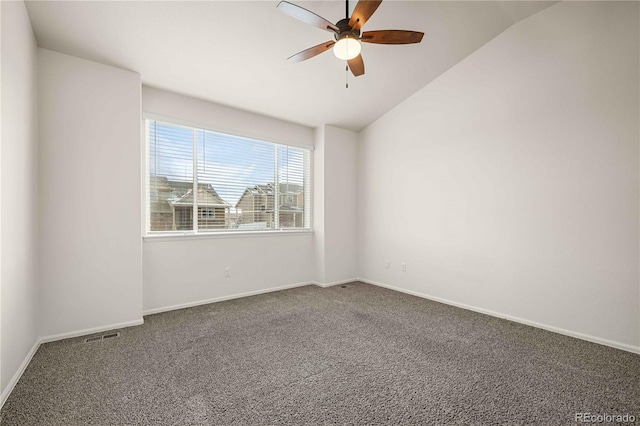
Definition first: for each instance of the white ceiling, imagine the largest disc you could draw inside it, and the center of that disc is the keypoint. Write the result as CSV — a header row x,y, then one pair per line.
x,y
234,52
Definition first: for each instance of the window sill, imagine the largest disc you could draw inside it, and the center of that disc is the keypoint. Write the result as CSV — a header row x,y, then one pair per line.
x,y
178,236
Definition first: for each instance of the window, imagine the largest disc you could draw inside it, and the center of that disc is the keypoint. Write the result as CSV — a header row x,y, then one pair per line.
x,y
208,213
202,181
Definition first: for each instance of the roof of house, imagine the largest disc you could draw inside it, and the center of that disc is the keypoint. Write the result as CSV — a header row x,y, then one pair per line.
x,y
290,209
180,193
206,198
268,189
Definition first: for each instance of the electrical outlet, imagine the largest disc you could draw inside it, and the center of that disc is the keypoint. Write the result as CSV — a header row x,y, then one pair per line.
x,y
387,264
403,267
227,271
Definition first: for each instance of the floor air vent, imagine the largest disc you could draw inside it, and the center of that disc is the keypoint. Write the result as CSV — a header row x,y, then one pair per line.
x,y
103,337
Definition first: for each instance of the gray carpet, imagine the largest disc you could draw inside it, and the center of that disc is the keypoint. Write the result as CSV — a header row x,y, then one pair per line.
x,y
356,354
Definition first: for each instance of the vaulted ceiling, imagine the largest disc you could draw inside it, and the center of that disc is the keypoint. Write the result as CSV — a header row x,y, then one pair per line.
x,y
235,52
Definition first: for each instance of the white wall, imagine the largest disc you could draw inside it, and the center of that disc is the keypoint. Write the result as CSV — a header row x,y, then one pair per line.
x,y
335,223
1,386
187,272
200,113
19,202
510,184
90,196
183,272
318,206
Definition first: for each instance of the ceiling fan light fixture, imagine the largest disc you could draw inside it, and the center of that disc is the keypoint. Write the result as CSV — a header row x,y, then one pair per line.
x,y
347,47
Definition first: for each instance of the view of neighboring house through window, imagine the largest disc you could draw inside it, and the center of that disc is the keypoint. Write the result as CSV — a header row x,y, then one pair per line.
x,y
239,184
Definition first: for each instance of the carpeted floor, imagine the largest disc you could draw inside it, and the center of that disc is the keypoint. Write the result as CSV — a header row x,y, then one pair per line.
x,y
353,354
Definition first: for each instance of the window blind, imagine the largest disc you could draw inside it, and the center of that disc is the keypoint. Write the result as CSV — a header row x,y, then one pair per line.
x,y
204,181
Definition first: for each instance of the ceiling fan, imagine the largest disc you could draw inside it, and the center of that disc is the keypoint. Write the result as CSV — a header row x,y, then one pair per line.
x,y
347,33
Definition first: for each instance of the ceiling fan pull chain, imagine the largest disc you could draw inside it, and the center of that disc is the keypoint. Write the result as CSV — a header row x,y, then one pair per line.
x,y
346,75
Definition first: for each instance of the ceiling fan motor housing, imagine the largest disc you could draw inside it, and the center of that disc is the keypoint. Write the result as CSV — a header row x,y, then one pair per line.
x,y
346,30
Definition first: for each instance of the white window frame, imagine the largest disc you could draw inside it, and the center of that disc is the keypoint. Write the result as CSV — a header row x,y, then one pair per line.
x,y
225,233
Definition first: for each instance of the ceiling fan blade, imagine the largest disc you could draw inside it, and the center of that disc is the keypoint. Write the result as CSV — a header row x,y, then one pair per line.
x,y
356,65
363,11
392,37
312,51
306,16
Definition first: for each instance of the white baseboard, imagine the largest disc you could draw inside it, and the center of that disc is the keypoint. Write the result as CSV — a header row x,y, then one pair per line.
x,y
93,330
223,298
331,284
16,377
577,335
